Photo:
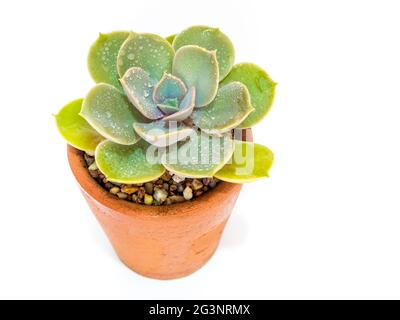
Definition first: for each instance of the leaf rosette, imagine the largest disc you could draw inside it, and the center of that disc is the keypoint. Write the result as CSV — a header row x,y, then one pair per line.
x,y
181,96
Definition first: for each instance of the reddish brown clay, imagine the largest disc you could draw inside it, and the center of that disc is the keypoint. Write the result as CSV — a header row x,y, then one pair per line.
x,y
162,242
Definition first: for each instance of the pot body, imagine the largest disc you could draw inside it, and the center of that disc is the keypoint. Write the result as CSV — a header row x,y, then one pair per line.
x,y
162,242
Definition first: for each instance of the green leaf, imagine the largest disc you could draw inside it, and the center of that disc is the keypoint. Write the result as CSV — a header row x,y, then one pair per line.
x,y
261,88
202,156
162,134
197,67
102,58
110,113
230,107
75,130
167,109
185,108
150,52
173,102
170,38
210,39
139,86
127,164
250,162
169,87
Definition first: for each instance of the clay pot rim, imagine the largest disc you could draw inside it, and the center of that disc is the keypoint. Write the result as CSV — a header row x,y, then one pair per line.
x,y
96,191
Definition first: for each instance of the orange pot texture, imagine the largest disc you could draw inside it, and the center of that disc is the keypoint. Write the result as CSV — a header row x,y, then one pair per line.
x,y
161,242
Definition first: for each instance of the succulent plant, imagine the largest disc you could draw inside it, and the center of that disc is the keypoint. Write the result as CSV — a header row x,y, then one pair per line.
x,y
177,99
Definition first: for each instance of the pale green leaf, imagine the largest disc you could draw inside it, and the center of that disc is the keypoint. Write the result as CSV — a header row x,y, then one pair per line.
x,y
102,58
127,164
210,39
76,130
261,88
139,86
230,107
162,134
250,162
109,112
150,52
185,108
169,87
197,67
202,156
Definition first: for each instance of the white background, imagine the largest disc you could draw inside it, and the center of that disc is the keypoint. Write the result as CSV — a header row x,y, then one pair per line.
x,y
325,225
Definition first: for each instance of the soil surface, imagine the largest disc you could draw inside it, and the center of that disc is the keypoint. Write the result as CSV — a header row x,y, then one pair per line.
x,y
168,189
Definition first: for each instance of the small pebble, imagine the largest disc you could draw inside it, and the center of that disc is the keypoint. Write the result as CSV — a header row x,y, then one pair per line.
x,y
160,194
212,184
108,185
175,199
180,188
188,193
166,176
129,189
148,199
196,184
168,189
115,190
122,195
148,187
178,179
89,160
141,193
94,174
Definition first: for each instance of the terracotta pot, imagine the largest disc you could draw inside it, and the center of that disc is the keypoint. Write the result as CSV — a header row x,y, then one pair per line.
x,y
162,242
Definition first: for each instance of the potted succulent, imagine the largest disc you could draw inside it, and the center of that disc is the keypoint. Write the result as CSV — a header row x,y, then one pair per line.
x,y
161,145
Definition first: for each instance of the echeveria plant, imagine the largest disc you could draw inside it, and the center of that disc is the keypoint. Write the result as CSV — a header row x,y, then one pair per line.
x,y
170,104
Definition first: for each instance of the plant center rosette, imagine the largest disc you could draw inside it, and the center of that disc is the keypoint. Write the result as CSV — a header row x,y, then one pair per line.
x,y
170,104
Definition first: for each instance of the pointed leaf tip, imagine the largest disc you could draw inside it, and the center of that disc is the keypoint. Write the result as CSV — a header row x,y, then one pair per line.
x,y
150,52
75,129
210,39
230,107
261,89
102,57
250,162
